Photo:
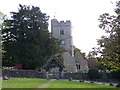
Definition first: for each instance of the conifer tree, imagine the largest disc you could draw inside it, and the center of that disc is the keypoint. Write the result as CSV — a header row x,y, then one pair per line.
x,y
26,39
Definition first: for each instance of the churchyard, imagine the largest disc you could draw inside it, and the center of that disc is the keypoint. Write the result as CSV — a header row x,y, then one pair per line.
x,y
39,79
49,83
33,57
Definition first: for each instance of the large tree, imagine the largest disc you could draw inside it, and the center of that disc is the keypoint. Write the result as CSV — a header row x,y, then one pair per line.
x,y
26,39
110,44
2,16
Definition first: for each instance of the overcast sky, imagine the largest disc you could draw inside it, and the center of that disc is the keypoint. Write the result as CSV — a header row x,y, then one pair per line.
x,y
83,14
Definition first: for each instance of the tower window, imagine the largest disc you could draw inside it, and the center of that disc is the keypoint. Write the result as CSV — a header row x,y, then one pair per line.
x,y
61,32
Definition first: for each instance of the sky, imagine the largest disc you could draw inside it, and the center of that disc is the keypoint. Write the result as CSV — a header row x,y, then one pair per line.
x,y
84,15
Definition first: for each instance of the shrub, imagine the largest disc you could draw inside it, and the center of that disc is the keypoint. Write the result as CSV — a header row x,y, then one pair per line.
x,y
115,74
94,74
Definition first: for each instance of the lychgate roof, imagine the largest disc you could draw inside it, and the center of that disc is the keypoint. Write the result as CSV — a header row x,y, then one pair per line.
x,y
53,61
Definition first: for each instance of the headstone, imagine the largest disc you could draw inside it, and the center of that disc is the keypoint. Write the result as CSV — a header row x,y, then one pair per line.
x,y
118,85
70,79
5,78
111,84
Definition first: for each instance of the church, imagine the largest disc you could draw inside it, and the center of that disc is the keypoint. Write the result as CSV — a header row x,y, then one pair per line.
x,y
73,61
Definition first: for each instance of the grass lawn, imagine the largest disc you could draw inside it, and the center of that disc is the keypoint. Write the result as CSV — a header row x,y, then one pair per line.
x,y
0,84
23,82
74,84
37,82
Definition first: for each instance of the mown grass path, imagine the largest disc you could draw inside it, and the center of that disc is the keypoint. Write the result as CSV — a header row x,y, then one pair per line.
x,y
45,85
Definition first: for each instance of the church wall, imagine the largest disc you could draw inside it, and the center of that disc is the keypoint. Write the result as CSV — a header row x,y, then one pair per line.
x,y
82,62
69,63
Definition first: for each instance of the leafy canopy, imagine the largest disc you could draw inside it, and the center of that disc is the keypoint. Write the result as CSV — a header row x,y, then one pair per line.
x,y
110,44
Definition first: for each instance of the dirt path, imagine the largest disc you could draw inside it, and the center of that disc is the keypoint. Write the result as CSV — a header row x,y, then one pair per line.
x,y
46,84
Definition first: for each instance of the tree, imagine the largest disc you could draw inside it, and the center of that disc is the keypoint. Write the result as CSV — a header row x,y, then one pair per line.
x,y
110,44
94,74
2,16
26,39
92,54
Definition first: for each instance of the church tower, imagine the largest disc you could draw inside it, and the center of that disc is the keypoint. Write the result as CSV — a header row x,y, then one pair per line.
x,y
62,31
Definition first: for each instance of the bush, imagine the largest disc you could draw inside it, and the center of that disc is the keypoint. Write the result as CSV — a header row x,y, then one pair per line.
x,y
115,74
94,74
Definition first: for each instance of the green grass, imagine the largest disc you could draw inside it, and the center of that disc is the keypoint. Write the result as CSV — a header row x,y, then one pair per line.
x,y
23,82
0,84
74,84
36,82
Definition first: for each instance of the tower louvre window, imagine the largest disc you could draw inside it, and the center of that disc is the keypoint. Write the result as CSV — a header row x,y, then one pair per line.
x,y
61,32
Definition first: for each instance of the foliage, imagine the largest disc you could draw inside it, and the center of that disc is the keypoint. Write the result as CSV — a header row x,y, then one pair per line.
x,y
100,66
26,39
92,54
110,44
2,17
94,74
115,74
18,66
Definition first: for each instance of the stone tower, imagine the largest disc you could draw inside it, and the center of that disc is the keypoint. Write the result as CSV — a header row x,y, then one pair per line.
x,y
62,31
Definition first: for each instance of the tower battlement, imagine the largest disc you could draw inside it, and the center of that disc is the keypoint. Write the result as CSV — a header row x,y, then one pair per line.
x,y
62,23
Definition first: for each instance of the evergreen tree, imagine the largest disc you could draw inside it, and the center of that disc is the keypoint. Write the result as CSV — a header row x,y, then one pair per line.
x,y
26,39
